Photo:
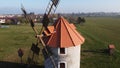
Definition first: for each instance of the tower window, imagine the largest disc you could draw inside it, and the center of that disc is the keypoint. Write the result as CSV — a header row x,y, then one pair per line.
x,y
62,65
62,50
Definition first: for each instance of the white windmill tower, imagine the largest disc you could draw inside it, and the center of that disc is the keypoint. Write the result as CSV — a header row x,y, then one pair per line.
x,y
64,44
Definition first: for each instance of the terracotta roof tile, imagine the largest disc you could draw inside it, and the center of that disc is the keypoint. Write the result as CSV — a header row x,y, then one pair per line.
x,y
51,29
73,26
64,35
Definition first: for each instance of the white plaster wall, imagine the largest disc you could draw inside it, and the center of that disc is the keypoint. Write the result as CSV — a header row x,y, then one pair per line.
x,y
2,20
71,58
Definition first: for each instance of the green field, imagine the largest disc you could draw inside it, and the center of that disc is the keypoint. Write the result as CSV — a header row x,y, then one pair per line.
x,y
13,38
99,32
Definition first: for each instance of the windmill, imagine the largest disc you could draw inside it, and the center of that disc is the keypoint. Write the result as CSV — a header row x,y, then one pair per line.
x,y
51,8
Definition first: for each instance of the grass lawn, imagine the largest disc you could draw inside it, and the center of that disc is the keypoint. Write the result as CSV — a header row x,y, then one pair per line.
x,y
99,32
13,38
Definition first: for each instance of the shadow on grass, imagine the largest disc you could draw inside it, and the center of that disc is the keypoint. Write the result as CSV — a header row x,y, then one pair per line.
x,y
4,64
102,51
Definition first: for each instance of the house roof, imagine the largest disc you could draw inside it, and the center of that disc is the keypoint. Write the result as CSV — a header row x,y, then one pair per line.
x,y
63,35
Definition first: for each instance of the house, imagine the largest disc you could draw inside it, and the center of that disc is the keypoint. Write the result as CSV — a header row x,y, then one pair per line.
x,y
64,44
2,20
8,19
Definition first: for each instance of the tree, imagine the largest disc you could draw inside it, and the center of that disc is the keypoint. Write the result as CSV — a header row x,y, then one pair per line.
x,y
81,20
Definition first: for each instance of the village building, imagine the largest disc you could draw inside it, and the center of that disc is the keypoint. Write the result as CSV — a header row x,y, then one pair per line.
x,y
8,20
2,20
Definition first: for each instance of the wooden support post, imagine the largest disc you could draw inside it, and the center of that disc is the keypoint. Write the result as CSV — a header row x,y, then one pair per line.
x,y
111,49
20,54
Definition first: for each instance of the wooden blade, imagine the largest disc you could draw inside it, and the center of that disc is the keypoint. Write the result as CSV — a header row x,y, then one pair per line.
x,y
51,7
31,23
55,2
51,57
23,9
45,20
28,18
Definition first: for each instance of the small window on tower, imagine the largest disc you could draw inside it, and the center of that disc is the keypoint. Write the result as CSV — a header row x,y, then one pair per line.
x,y
62,65
62,50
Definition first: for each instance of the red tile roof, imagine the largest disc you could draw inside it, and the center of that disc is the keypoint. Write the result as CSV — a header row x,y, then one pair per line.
x,y
64,35
49,30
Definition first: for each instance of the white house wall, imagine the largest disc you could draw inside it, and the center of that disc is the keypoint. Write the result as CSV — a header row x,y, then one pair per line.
x,y
2,20
71,58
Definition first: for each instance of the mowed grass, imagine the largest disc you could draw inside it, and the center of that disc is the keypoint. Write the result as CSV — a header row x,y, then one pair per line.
x,y
13,38
99,32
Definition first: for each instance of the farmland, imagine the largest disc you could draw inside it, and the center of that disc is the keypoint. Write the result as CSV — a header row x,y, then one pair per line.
x,y
99,32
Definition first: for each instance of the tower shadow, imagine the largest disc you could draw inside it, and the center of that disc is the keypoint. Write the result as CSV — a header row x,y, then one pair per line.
x,y
5,64
101,51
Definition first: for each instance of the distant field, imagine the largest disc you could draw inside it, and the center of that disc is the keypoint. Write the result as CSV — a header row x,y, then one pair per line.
x,y
99,32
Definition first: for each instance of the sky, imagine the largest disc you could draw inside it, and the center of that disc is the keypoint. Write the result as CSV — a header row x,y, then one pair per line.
x,y
65,6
